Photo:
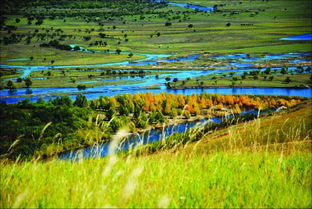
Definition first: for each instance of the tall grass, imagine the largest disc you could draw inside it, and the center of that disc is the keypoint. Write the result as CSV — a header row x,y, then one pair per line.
x,y
263,163
243,179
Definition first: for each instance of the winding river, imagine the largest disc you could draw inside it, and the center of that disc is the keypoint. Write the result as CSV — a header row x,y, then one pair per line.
x,y
235,63
147,137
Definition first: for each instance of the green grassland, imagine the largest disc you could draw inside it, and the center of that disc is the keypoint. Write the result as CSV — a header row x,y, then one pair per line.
x,y
87,77
263,163
44,56
279,81
251,162
270,21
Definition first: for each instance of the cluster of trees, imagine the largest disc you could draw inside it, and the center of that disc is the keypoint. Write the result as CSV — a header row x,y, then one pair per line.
x,y
44,34
26,121
123,72
173,105
80,8
56,44
11,85
60,124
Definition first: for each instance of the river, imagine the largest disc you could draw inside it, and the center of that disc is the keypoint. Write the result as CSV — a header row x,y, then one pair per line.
x,y
136,139
235,63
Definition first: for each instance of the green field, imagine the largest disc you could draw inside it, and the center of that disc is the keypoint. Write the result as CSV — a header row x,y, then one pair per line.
x,y
233,167
87,77
244,151
270,21
278,81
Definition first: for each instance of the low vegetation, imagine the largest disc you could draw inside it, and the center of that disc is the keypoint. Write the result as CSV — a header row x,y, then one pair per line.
x,y
286,79
263,163
45,128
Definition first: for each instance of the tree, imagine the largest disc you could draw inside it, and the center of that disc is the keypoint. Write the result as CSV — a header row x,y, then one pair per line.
x,y
28,82
40,101
130,55
284,71
167,78
81,101
73,80
118,51
10,85
228,24
288,80
175,80
102,35
17,20
81,87
267,70
63,100
76,48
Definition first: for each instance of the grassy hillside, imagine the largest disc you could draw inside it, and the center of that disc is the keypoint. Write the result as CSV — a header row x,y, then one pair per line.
x,y
262,163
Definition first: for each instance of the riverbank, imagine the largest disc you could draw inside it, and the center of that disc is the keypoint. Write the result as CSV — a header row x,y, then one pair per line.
x,y
256,79
82,123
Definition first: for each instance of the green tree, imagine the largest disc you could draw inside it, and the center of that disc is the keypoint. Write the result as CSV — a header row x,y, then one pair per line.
x,y
63,100
81,101
118,51
73,79
267,70
40,101
28,82
284,71
11,85
288,80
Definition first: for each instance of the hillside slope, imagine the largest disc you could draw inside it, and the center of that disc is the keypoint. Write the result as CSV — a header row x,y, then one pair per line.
x,y
262,163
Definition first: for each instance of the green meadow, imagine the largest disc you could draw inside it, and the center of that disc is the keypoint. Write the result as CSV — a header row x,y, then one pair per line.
x,y
245,151
262,163
267,21
278,81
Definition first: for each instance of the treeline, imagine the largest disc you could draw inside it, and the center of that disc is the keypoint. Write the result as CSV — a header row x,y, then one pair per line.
x,y
56,44
49,127
121,6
